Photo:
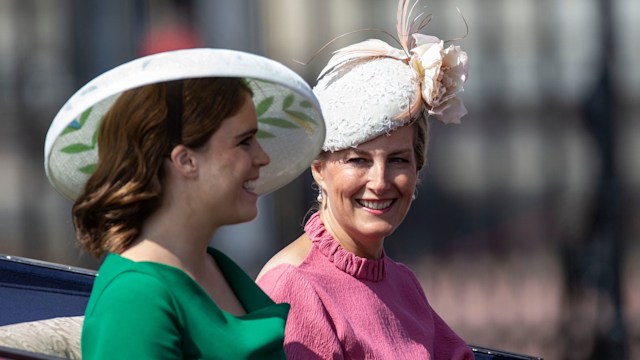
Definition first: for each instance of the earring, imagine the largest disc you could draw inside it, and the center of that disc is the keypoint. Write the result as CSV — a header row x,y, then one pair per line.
x,y
319,198
415,195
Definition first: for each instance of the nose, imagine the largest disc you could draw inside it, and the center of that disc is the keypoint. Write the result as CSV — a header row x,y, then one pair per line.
x,y
378,182
261,158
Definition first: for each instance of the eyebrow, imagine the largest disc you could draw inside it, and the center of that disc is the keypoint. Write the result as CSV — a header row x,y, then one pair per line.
x,y
250,132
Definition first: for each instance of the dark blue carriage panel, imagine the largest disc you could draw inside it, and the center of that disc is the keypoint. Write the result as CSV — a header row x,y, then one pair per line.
x,y
33,290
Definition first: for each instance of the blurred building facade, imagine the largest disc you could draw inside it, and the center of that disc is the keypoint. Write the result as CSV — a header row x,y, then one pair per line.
x,y
526,231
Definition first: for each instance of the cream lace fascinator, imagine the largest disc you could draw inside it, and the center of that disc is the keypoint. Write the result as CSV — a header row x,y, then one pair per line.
x,y
371,88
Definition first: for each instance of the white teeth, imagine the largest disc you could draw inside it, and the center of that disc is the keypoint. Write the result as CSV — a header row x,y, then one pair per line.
x,y
375,205
250,185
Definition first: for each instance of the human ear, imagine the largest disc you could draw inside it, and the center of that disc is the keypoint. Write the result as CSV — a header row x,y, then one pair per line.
x,y
183,161
316,170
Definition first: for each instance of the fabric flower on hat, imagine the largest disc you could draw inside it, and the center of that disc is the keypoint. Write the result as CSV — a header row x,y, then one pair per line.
x,y
443,73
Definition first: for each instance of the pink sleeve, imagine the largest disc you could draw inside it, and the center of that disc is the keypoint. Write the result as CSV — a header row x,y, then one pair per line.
x,y
309,332
447,344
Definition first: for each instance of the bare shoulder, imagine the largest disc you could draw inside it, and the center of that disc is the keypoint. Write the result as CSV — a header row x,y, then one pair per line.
x,y
293,254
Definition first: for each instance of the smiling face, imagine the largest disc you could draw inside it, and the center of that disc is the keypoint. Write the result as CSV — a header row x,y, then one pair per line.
x,y
367,190
229,166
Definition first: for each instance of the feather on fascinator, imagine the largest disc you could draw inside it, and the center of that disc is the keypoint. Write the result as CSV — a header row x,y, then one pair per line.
x,y
371,88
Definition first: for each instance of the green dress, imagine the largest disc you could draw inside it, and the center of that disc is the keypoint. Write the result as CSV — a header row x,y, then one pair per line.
x,y
148,310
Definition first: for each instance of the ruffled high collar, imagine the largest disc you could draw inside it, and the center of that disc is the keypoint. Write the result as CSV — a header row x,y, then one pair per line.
x,y
358,267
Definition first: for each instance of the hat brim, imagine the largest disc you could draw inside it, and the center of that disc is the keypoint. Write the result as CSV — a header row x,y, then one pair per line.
x,y
290,123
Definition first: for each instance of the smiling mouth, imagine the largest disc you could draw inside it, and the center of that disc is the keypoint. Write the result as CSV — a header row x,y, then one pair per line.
x,y
250,185
375,204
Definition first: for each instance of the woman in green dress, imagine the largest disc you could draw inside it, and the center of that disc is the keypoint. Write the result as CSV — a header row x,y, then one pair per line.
x,y
178,157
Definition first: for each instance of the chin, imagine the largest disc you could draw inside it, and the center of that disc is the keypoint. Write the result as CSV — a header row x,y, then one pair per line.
x,y
377,232
251,215
382,224
245,215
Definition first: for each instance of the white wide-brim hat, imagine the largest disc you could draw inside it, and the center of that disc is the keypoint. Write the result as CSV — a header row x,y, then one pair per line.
x,y
290,122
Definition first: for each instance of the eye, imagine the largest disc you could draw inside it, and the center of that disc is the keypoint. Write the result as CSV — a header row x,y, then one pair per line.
x,y
398,160
356,160
247,140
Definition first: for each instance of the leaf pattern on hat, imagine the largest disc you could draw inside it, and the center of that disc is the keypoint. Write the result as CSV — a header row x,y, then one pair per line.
x,y
77,148
296,118
89,169
77,124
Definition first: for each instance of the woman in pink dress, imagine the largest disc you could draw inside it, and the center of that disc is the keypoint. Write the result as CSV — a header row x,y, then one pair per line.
x,y
348,299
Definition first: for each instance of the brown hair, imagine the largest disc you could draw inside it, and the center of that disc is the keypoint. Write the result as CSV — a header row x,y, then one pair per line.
x,y
127,184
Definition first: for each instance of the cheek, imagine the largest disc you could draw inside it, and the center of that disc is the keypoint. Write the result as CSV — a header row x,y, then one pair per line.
x,y
406,182
348,183
339,179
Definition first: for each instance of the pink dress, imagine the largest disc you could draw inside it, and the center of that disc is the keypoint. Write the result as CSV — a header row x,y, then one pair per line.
x,y
347,307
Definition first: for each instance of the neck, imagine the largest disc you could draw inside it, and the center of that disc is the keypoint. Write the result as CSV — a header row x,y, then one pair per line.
x,y
175,236
369,248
